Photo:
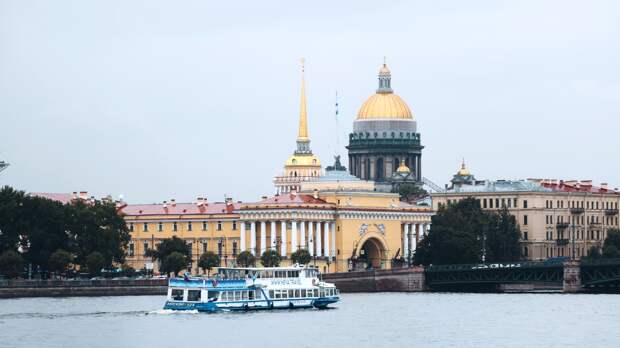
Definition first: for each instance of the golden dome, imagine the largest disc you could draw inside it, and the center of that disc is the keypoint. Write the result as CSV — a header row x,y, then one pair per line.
x,y
463,171
384,105
402,168
304,160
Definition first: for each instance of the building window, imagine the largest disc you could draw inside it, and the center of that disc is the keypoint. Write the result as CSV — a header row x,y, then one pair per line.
x,y
145,227
234,225
524,220
189,226
524,204
496,203
503,202
491,203
131,227
131,249
204,226
174,226
219,248
204,246
145,246
509,203
219,225
484,203
234,248
525,235
189,246
514,202
160,226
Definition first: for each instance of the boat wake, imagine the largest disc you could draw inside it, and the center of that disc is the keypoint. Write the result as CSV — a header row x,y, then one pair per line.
x,y
171,312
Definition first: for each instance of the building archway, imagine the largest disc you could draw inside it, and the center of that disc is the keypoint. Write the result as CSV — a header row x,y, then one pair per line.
x,y
371,254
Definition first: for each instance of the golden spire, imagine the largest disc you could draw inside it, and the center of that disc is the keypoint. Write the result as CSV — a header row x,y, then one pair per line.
x,y
303,115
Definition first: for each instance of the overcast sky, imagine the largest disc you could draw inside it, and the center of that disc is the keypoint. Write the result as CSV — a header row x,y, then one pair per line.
x,y
157,99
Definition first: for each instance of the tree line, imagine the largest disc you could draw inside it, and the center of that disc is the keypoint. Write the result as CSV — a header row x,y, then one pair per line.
x,y
174,254
47,236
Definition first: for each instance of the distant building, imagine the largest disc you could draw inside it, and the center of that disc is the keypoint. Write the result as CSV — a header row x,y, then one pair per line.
x,y
547,211
384,134
3,165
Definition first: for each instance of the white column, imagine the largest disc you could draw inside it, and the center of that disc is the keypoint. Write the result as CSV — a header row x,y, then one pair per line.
x,y
310,238
326,238
242,235
302,237
333,240
283,238
263,237
406,242
274,236
414,244
253,237
293,236
319,253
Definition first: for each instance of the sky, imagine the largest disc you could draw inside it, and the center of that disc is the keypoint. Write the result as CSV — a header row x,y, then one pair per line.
x,y
154,100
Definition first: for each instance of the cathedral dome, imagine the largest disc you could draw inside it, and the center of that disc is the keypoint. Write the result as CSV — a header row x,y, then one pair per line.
x,y
384,104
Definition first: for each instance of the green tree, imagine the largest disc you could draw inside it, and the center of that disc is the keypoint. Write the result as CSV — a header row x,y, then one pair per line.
x,y
593,253
246,259
502,237
97,226
270,258
409,191
174,262
59,261
95,262
168,246
462,232
611,246
11,264
12,222
208,260
301,256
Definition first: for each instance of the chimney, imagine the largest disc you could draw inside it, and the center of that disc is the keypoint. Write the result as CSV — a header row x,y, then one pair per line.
x,y
264,197
315,194
165,205
173,202
199,201
294,191
84,195
604,186
229,201
74,195
586,183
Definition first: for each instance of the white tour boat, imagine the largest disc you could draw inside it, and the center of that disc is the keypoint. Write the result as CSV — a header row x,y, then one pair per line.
x,y
252,289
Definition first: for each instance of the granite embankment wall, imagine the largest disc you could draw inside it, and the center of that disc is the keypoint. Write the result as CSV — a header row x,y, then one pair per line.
x,y
60,288
397,280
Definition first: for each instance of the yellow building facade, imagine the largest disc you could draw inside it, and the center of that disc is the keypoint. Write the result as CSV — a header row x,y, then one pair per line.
x,y
344,222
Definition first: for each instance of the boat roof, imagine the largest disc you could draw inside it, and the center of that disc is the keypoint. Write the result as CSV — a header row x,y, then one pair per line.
x,y
293,268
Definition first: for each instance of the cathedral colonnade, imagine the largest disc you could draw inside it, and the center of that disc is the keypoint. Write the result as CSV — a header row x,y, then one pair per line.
x,y
287,235
412,234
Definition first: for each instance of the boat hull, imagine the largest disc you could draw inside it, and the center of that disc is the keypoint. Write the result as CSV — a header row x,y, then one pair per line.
x,y
319,303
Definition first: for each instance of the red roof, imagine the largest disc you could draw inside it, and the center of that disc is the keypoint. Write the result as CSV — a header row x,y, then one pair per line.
x,y
64,198
179,208
562,187
289,198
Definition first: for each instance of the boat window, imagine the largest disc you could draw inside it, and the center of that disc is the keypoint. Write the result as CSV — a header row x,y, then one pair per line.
x,y
193,295
303,293
251,295
271,295
244,295
212,294
297,293
177,294
284,294
316,293
237,295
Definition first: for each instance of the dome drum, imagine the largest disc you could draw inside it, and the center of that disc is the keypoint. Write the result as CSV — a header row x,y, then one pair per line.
x,y
386,125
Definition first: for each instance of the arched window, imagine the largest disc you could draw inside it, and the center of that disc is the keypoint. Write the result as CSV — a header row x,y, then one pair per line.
x,y
379,170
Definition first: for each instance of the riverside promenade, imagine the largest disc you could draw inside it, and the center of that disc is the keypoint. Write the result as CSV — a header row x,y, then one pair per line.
x,y
63,288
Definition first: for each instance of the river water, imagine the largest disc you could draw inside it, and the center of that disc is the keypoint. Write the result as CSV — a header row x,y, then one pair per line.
x,y
359,320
